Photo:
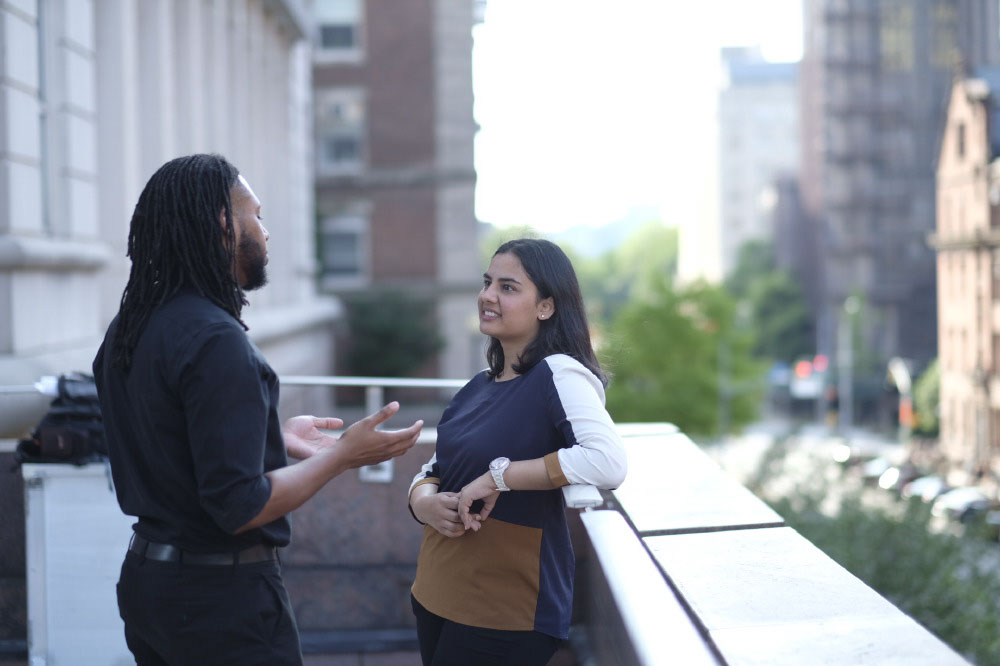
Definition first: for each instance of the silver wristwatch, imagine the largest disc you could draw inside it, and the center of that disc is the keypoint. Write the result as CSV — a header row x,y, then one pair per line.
x,y
497,468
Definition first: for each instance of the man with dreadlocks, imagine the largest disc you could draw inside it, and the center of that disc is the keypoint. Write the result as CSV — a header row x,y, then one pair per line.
x,y
197,452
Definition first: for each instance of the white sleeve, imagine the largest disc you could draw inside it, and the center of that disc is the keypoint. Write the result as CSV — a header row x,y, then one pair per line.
x,y
598,456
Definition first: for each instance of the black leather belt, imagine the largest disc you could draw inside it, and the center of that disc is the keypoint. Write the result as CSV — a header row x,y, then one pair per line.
x,y
164,552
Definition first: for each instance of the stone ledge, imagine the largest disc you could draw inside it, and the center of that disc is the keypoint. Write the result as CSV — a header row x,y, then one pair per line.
x,y
21,252
269,324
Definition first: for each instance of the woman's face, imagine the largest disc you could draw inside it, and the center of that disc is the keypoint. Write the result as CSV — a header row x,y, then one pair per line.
x,y
509,307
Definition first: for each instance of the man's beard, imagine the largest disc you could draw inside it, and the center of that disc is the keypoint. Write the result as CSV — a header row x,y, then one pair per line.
x,y
253,260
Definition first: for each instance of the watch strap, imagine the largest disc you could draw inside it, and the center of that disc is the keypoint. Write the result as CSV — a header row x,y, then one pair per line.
x,y
498,480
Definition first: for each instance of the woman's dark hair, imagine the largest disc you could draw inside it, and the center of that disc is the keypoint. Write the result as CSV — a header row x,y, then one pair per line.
x,y
566,331
175,242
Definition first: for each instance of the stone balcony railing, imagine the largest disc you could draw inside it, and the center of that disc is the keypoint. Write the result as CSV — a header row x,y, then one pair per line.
x,y
692,568
682,565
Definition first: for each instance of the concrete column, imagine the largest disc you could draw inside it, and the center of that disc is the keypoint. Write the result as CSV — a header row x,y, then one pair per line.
x,y
157,105
118,140
189,74
217,40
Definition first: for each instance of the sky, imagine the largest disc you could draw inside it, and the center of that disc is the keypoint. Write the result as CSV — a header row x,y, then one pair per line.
x,y
594,109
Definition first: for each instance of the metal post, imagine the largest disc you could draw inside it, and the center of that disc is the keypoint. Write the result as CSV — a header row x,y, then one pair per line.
x,y
845,366
382,472
373,399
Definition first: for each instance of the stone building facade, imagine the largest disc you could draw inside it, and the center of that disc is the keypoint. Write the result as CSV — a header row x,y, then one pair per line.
x,y
967,242
95,97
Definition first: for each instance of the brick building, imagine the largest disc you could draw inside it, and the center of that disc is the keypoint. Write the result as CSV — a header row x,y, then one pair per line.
x,y
395,181
967,241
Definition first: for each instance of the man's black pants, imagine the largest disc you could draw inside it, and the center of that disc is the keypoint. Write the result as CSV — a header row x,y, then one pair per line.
x,y
178,614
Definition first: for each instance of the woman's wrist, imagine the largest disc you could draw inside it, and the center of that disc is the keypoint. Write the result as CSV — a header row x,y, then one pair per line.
x,y
414,501
419,493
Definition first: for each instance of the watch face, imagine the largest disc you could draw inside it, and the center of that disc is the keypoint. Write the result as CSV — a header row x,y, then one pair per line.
x,y
500,463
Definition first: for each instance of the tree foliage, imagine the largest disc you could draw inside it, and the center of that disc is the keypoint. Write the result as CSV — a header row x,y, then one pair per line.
x,y
629,272
679,356
780,318
775,303
391,333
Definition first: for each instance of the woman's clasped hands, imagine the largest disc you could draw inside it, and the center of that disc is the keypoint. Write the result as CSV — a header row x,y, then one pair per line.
x,y
451,513
440,511
481,488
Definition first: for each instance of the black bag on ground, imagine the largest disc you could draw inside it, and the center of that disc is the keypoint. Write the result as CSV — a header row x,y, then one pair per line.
x,y
72,431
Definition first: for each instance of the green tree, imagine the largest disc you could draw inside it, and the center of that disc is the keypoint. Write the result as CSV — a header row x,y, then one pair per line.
x,y
926,400
380,345
679,356
775,302
754,259
780,317
629,272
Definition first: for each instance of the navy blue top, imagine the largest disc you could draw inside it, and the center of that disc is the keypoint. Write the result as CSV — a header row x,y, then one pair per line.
x,y
516,572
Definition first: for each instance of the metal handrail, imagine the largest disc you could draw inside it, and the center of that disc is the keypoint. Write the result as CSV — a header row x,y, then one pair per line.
x,y
387,382
18,389
374,386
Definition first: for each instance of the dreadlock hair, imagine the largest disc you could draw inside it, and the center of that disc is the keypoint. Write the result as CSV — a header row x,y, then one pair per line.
x,y
175,242
566,331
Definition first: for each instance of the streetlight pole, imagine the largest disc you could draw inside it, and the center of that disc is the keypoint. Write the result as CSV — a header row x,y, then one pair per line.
x,y
845,366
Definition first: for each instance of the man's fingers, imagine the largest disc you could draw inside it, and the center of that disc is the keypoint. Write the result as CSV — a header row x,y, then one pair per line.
x,y
328,423
383,414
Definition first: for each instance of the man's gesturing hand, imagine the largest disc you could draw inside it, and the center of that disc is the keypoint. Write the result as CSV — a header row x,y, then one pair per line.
x,y
362,444
303,437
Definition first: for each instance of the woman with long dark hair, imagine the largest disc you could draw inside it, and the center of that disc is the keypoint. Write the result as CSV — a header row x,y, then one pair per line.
x,y
494,581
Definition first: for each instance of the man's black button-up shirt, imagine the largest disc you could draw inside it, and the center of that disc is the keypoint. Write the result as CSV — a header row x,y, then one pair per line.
x,y
192,428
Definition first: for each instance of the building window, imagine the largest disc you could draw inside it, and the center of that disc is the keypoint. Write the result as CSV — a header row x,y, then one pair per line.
x,y
338,31
343,250
340,132
896,36
944,33
960,139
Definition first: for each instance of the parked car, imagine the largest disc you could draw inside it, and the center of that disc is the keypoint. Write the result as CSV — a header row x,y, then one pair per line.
x,y
962,504
927,488
897,476
873,470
